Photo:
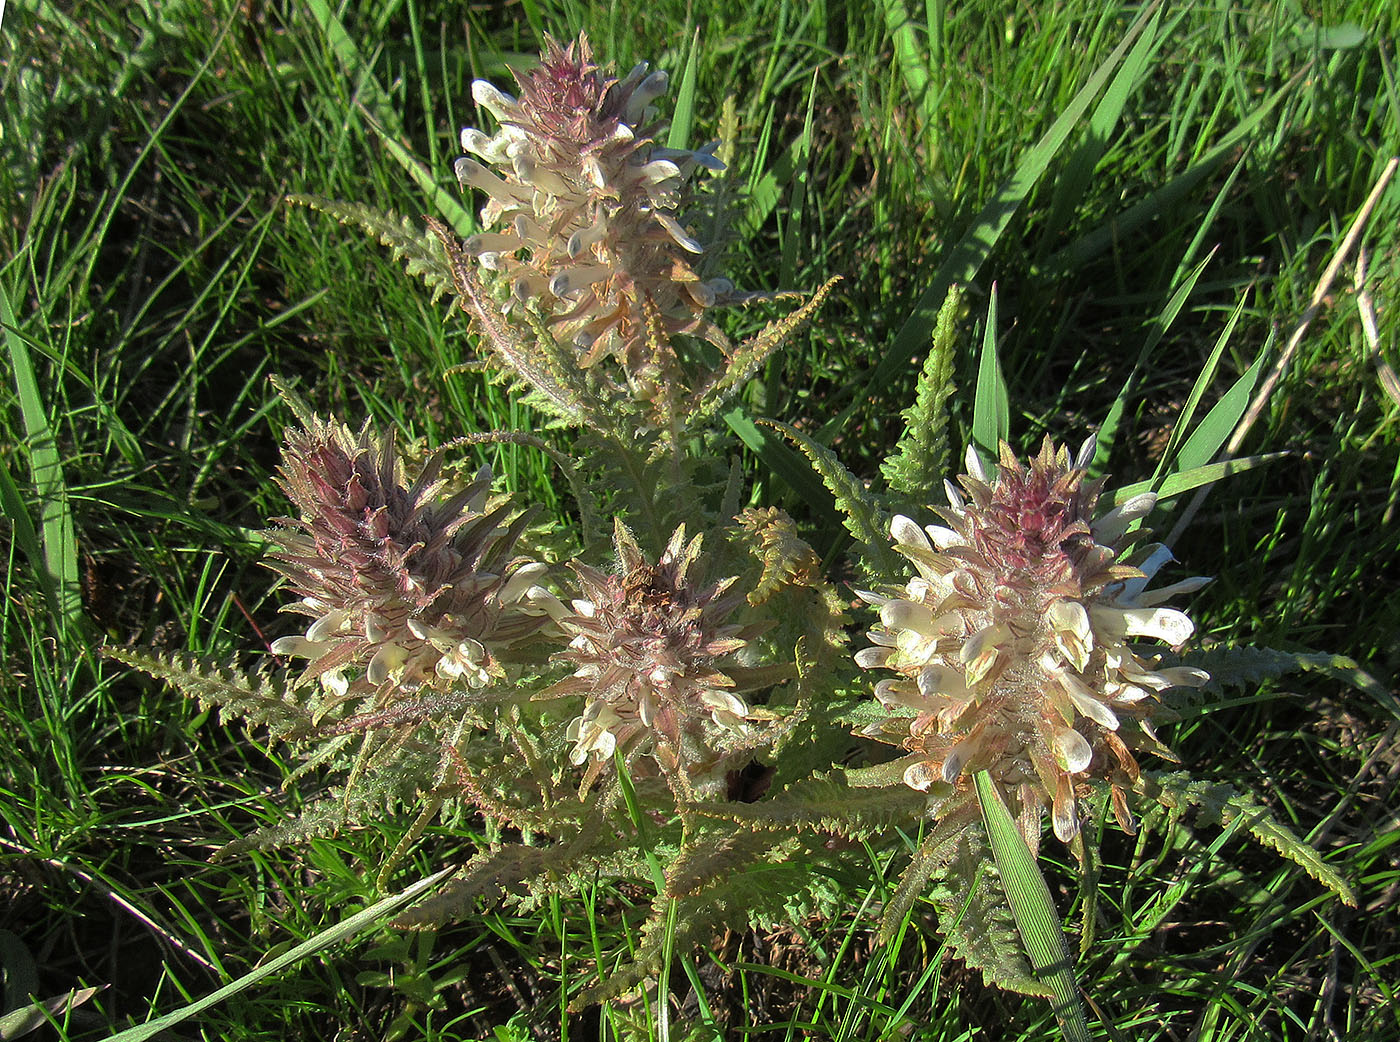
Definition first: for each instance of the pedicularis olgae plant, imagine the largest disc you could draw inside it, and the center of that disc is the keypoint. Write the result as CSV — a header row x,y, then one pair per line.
x,y
597,704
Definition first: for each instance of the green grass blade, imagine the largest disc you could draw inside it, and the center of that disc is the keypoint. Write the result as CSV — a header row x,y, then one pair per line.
x,y
1091,245
683,118
1193,400
909,55
797,196
1108,432
56,532
1078,174
383,118
966,258
345,51
12,504
1033,908
785,463
1196,477
764,185
991,410
443,201
343,930
1218,424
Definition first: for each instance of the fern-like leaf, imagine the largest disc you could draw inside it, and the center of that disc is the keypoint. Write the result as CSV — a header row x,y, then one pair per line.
x,y
862,518
374,797
1247,666
713,856
825,803
408,243
748,358
784,889
787,558
488,876
505,342
974,916
1214,803
919,463
260,699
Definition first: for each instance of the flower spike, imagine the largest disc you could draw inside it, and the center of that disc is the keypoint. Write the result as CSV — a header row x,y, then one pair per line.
x,y
1017,646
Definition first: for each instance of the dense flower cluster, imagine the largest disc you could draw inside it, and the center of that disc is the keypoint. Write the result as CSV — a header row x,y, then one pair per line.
x,y
653,650
1016,644
406,587
582,217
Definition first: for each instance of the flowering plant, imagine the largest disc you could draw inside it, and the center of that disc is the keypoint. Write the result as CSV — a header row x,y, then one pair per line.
x,y
599,701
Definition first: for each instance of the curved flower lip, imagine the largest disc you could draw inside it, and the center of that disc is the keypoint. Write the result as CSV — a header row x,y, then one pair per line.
x,y
297,645
983,650
1164,624
870,658
1085,700
1074,635
962,752
592,733
1072,751
909,535
1110,527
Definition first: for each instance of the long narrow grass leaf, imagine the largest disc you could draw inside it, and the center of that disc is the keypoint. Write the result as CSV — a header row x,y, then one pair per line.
x,y
55,528
991,408
966,258
1094,243
909,55
683,116
1219,423
782,462
345,929
797,194
1033,908
1198,389
1197,477
1078,174
383,119
1108,432
25,534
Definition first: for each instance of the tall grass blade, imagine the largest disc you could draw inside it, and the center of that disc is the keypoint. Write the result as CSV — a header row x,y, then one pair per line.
x,y
383,118
1108,432
59,562
1215,429
966,258
683,118
442,200
785,463
797,196
24,533
1202,441
909,55
1094,243
1033,909
343,930
991,408
1197,477
764,186
1078,173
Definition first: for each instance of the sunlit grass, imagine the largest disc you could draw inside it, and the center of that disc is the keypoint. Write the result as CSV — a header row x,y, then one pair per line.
x,y
157,280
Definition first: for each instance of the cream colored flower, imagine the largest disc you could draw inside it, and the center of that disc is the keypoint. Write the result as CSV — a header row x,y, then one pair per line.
x,y
583,214
654,654
406,586
1019,645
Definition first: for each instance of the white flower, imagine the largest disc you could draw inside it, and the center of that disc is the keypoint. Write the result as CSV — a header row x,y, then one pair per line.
x,y
1017,645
